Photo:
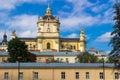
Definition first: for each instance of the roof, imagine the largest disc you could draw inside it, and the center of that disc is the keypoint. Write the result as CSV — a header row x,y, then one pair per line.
x,y
69,39
48,53
3,53
56,53
47,16
97,52
56,65
27,38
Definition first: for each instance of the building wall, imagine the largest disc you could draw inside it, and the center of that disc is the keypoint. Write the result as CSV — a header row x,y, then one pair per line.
x,y
3,59
55,73
49,31
71,59
44,58
69,46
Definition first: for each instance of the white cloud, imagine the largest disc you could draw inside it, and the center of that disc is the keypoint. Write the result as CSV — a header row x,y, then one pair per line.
x,y
25,25
22,22
104,37
28,33
78,15
11,4
73,35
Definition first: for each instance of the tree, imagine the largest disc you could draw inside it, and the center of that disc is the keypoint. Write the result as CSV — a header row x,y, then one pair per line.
x,y
115,40
18,51
87,58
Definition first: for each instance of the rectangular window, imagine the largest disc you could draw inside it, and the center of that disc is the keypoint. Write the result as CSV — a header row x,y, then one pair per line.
x,y
67,60
35,75
116,75
101,75
6,76
3,59
21,75
40,60
77,75
62,75
87,75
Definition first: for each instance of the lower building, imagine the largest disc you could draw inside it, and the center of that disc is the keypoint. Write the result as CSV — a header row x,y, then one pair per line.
x,y
58,71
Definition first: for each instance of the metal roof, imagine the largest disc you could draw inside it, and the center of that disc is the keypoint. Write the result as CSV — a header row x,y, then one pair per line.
x,y
56,53
27,38
48,53
69,39
3,53
57,65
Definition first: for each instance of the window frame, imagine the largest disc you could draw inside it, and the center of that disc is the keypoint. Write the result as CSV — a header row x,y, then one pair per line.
x,y
62,75
6,76
21,75
35,75
116,75
87,75
77,75
101,75
48,46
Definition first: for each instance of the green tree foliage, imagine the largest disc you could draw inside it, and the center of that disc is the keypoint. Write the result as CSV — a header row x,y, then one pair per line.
x,y
18,51
87,58
115,40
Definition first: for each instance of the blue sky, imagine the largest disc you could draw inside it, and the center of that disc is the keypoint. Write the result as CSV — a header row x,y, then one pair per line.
x,y
95,16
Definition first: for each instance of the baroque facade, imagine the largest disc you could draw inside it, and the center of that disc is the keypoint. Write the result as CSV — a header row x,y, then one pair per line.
x,y
48,37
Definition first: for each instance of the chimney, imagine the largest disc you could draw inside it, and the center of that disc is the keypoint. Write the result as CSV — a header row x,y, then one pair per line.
x,y
92,49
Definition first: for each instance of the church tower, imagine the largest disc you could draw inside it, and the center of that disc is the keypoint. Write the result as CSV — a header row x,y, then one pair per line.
x,y
82,41
48,32
4,41
13,35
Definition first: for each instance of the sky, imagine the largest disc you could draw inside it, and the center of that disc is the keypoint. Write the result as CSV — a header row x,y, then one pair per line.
x,y
94,16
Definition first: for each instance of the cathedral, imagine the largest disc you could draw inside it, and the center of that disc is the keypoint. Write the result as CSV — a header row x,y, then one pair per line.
x,y
48,37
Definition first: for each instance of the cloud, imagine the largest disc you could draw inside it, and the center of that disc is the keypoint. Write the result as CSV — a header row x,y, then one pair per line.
x,y
22,22
104,37
86,13
11,4
28,33
25,25
73,35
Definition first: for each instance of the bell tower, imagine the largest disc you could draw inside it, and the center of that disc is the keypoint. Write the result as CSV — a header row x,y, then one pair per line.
x,y
82,41
48,31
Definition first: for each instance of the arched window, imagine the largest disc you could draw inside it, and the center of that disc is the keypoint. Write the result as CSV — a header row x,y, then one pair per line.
x,y
48,45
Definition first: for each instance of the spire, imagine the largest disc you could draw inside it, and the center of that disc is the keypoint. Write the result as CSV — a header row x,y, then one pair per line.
x,y
48,11
4,41
82,36
13,34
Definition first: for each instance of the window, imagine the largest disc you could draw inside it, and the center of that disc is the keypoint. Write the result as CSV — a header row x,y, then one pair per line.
x,y
74,47
35,75
48,45
58,59
62,46
40,60
6,76
87,75
77,75
62,75
49,60
116,76
20,75
3,59
76,60
67,60
101,75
